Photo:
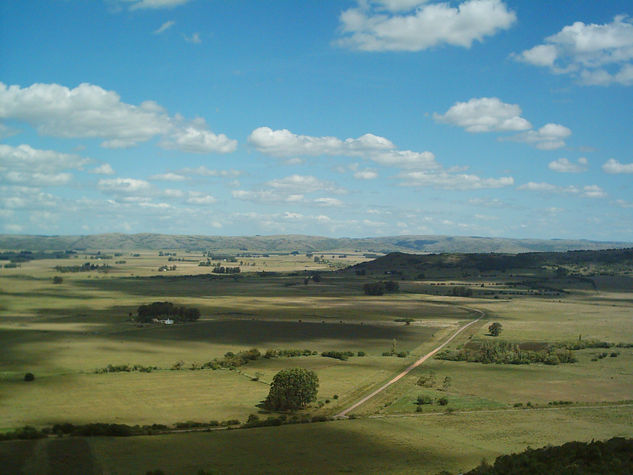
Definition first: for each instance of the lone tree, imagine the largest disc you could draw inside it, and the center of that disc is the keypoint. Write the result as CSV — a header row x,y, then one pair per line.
x,y
292,389
495,328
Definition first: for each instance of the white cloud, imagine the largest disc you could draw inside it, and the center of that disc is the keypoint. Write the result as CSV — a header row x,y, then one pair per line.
x,y
548,137
105,169
614,167
283,143
194,38
368,28
123,185
168,177
28,159
365,174
595,54
88,111
25,197
164,27
199,198
302,184
204,171
154,4
267,196
328,202
587,191
197,138
453,181
489,114
562,165
485,114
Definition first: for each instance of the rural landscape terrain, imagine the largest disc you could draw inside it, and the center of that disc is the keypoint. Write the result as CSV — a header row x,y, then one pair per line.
x,y
540,352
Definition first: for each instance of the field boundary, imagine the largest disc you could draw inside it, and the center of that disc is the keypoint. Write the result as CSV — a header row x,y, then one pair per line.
x,y
412,366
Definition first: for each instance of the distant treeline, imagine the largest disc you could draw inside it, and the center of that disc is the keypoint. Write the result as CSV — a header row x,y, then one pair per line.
x,y
146,313
25,256
86,267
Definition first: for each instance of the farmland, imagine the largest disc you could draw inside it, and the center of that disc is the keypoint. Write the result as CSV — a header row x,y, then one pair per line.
x,y
66,333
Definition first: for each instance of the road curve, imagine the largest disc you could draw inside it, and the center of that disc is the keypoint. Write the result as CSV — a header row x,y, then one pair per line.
x,y
412,366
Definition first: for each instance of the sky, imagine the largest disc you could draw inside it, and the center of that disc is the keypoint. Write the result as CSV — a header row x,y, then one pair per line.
x,y
335,118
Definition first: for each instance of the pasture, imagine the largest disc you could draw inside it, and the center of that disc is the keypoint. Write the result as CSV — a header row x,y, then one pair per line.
x,y
64,332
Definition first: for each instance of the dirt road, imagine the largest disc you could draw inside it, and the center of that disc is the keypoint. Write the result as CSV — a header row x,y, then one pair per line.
x,y
411,367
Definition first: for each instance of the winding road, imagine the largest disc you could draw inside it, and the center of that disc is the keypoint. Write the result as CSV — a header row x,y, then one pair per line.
x,y
412,366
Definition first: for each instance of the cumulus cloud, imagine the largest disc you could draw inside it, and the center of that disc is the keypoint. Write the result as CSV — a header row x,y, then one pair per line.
x,y
365,174
485,114
105,169
204,171
401,25
612,166
26,165
453,181
199,198
587,191
164,27
267,196
302,184
154,4
168,177
123,185
548,137
28,159
284,143
88,111
328,202
490,114
25,197
562,165
197,138
595,54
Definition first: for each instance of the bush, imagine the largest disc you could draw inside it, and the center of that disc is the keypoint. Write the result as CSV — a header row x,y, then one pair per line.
x,y
57,280
376,288
423,400
360,353
29,377
443,401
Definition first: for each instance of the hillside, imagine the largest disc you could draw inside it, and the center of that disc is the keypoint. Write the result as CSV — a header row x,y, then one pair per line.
x,y
301,243
398,263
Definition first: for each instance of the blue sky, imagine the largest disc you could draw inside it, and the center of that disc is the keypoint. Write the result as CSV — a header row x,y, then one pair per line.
x,y
338,118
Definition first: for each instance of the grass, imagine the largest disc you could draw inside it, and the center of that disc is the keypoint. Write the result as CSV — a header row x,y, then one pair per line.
x,y
418,444
63,333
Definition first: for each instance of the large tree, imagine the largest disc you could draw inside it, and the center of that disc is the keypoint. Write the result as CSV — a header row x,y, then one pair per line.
x,y
292,389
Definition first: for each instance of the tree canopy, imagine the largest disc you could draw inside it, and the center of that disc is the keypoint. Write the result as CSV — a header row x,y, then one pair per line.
x,y
292,389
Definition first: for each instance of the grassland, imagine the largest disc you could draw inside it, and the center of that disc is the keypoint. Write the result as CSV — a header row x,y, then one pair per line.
x,y
64,332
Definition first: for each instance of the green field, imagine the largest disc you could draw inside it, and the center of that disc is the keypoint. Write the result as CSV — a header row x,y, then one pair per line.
x,y
63,333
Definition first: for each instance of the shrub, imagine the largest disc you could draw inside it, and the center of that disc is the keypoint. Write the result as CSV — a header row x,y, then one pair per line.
x,y
423,399
361,353
57,280
29,377
443,401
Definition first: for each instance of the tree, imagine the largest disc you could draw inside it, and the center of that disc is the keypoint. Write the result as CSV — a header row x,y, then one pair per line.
x,y
292,389
495,329
391,286
374,289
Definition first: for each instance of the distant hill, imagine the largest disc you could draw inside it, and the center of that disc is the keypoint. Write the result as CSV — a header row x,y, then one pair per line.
x,y
403,264
288,243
